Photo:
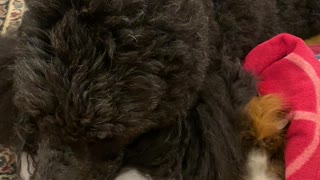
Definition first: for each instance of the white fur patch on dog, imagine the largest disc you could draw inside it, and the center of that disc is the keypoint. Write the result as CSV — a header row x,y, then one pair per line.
x,y
125,174
26,167
257,166
131,174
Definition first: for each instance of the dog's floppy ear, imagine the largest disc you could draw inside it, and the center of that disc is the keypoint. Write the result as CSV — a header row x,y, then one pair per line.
x,y
45,13
7,109
7,50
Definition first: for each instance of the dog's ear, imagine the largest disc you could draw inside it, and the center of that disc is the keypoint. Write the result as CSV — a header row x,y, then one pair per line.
x,y
7,50
7,109
44,13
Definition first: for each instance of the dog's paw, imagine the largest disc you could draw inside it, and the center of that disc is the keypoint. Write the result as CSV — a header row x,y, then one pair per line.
x,y
131,174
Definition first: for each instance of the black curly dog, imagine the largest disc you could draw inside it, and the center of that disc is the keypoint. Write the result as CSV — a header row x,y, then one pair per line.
x,y
153,84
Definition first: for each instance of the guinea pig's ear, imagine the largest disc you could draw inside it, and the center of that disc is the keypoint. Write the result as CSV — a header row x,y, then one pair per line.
x,y
282,124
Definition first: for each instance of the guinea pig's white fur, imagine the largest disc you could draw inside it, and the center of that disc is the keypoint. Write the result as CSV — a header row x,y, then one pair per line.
x,y
257,166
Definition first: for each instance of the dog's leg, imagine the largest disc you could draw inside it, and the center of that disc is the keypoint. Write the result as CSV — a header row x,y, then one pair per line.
x,y
27,170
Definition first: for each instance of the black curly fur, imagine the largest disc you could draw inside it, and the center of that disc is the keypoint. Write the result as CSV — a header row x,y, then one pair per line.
x,y
157,85
7,109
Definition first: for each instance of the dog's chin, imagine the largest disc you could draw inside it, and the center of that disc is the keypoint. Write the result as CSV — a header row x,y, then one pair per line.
x,y
27,171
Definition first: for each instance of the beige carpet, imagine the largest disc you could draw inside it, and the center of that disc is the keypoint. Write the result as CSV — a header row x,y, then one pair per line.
x,y
11,12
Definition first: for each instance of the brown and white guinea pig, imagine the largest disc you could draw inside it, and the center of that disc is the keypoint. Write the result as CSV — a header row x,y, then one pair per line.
x,y
266,119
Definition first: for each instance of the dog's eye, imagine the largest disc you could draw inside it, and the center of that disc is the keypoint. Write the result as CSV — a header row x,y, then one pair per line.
x,y
2,161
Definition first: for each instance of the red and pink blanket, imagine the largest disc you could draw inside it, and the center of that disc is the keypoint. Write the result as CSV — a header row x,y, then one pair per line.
x,y
285,65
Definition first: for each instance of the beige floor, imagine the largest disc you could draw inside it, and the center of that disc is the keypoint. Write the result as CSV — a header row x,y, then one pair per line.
x,y
313,41
14,14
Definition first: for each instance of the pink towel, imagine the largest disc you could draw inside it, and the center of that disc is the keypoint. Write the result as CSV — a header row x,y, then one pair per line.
x,y
286,66
315,49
